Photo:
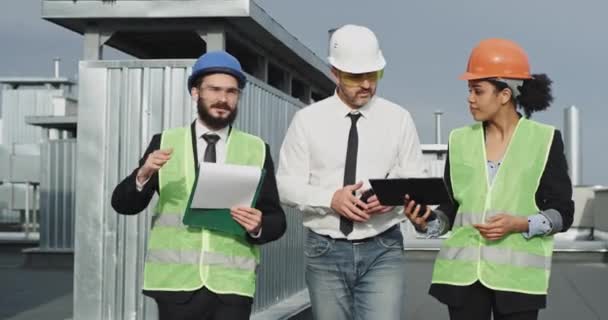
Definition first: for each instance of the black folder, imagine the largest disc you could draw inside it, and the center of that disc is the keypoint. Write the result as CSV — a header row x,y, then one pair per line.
x,y
426,191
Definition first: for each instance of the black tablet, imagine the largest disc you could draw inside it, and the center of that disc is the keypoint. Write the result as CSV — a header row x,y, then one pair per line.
x,y
428,191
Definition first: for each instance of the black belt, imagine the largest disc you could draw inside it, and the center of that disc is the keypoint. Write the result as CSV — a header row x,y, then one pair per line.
x,y
357,241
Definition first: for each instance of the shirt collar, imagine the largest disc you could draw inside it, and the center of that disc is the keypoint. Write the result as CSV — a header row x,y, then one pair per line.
x,y
344,109
200,129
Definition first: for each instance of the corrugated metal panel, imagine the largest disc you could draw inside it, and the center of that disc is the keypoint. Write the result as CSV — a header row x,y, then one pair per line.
x,y
15,170
21,140
5,171
57,194
266,112
19,103
7,214
122,104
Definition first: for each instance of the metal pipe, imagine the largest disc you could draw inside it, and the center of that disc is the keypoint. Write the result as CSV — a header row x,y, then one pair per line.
x,y
34,209
438,114
572,142
27,211
56,63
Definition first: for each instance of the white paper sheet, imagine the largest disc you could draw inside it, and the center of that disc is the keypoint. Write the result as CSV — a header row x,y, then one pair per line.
x,y
223,186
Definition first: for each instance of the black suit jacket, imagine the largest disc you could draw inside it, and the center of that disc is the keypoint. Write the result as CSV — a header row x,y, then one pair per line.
x,y
126,199
554,192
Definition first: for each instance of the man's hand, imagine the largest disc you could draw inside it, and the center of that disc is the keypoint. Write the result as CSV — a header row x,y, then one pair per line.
x,y
347,205
374,206
154,162
249,218
501,225
411,211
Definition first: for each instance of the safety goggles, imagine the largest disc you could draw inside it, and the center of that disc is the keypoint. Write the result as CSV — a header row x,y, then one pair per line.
x,y
356,79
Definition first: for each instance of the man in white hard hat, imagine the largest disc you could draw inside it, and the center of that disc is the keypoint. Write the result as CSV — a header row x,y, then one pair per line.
x,y
355,259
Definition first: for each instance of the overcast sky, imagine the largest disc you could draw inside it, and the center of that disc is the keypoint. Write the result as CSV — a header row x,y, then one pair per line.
x,y
426,44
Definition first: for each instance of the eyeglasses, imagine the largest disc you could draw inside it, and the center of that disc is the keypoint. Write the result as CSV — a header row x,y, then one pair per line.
x,y
230,92
356,79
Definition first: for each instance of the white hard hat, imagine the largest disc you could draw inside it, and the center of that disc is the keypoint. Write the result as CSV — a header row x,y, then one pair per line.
x,y
355,49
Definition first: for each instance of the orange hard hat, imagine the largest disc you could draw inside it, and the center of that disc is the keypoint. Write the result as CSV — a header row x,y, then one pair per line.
x,y
497,58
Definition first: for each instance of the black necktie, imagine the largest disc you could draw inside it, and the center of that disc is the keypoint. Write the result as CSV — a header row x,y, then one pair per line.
x,y
211,139
350,168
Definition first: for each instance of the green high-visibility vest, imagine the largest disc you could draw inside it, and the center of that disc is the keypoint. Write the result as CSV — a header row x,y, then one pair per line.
x,y
513,263
182,258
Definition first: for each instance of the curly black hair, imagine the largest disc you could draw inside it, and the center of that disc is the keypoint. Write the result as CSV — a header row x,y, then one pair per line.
x,y
535,94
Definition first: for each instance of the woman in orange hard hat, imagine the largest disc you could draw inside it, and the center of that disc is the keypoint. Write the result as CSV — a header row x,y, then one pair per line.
x,y
511,192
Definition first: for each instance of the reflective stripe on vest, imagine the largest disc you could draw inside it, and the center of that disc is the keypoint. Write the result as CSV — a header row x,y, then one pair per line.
x,y
168,220
496,255
513,263
194,257
186,258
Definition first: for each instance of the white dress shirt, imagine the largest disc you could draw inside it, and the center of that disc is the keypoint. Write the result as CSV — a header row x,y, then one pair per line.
x,y
313,155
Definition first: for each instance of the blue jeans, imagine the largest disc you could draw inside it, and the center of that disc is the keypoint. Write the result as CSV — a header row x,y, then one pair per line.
x,y
363,280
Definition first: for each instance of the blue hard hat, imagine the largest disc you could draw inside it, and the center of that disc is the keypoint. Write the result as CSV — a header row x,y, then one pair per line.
x,y
217,62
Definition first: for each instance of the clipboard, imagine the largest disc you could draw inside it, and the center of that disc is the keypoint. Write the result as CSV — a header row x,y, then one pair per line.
x,y
426,191
217,219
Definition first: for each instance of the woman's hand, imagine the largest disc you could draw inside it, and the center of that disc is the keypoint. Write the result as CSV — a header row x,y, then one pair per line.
x,y
411,211
500,225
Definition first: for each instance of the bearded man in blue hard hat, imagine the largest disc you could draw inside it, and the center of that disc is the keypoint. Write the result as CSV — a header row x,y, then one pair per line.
x,y
194,272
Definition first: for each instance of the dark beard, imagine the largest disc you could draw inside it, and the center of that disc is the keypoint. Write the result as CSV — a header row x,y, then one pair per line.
x,y
212,122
